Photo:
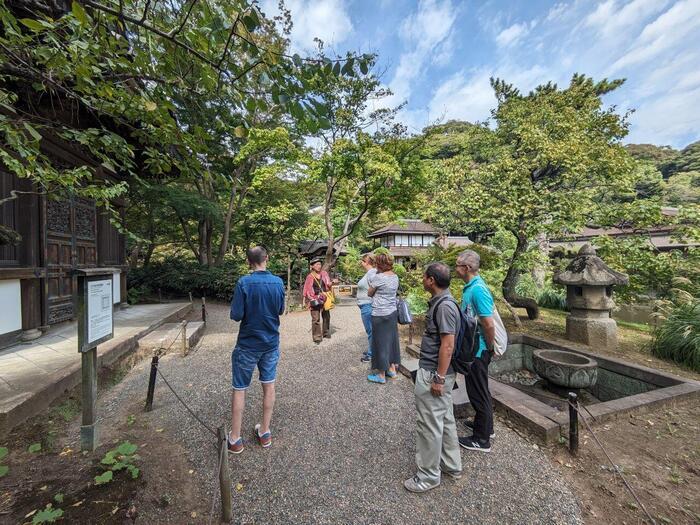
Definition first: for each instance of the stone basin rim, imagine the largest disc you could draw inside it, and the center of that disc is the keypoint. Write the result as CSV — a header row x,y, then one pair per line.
x,y
560,357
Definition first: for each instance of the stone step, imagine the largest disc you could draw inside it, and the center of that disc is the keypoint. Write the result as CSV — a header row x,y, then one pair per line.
x,y
168,337
408,366
413,350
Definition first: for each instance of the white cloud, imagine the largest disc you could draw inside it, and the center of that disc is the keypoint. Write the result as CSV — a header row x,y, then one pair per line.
x,y
469,96
511,34
425,34
673,28
669,119
325,19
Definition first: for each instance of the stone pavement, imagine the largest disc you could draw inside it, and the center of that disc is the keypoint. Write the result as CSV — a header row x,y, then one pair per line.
x,y
341,446
33,374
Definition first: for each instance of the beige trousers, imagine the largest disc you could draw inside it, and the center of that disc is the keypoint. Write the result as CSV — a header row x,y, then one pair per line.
x,y
436,442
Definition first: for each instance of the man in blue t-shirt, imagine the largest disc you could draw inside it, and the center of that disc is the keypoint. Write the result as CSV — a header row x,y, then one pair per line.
x,y
258,302
477,299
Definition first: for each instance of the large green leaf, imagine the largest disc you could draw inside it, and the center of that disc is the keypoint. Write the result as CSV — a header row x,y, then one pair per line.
x,y
4,469
34,447
127,448
3,452
79,13
105,477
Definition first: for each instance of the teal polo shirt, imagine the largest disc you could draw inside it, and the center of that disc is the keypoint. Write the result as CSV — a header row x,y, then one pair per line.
x,y
477,300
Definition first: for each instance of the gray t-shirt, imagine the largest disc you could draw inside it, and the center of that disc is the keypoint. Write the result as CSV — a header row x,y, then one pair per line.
x,y
443,321
384,300
363,286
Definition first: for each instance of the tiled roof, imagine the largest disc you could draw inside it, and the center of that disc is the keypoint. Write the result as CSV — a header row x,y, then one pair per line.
x,y
406,226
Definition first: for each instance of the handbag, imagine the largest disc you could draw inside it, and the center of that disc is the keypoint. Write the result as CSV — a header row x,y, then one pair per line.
x,y
328,302
404,312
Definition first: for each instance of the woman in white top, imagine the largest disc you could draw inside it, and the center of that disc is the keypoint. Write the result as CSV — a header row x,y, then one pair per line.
x,y
364,301
386,352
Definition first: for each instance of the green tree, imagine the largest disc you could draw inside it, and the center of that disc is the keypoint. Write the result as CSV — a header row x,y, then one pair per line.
x,y
123,81
537,171
356,174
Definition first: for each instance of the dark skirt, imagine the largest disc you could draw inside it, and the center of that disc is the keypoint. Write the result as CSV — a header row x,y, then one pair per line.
x,y
385,341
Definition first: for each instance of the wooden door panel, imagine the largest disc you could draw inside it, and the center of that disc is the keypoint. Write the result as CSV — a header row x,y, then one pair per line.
x,y
70,244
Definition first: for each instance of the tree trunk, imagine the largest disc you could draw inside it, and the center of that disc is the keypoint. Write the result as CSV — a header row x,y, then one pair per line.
x,y
289,284
539,271
512,278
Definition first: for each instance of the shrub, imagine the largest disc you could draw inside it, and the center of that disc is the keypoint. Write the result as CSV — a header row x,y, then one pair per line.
x,y
677,336
552,298
178,277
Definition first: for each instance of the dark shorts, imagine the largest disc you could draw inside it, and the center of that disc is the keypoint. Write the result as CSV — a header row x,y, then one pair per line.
x,y
244,361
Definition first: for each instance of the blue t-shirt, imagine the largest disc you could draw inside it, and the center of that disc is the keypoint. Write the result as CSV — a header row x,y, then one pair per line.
x,y
258,302
477,297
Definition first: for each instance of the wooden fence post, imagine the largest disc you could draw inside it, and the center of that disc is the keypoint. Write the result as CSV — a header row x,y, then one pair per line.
x,y
224,476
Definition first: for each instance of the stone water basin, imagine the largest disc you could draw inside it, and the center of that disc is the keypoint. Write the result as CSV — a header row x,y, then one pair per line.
x,y
565,369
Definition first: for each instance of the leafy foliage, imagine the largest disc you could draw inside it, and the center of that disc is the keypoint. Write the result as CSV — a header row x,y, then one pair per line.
x,y
537,171
677,336
178,276
34,447
47,515
4,469
688,159
122,457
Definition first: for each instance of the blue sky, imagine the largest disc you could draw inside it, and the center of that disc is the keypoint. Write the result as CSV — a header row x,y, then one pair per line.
x,y
438,55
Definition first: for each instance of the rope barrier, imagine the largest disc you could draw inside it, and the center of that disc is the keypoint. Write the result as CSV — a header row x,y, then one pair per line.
x,y
216,473
595,438
617,470
222,446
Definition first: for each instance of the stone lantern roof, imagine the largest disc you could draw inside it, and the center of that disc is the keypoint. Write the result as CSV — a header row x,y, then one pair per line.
x,y
587,269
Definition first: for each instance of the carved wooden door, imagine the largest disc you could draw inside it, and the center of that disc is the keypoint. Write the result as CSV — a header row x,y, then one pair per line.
x,y
70,244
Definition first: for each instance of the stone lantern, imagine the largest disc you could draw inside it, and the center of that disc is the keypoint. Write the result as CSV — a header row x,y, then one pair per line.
x,y
589,283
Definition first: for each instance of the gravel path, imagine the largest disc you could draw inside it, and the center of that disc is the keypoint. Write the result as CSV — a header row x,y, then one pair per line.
x,y
342,446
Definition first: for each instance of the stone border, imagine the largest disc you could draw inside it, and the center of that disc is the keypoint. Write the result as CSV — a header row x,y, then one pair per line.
x,y
547,423
29,404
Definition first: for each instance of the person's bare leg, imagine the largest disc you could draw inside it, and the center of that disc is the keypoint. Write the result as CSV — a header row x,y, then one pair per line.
x,y
237,406
268,405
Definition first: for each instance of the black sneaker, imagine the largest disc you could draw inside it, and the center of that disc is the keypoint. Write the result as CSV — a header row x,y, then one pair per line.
x,y
471,443
469,423
365,358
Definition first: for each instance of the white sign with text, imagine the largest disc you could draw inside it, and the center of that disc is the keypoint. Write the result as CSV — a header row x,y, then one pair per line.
x,y
99,309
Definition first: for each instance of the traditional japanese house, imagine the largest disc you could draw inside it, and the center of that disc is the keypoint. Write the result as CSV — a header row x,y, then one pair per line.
x,y
56,235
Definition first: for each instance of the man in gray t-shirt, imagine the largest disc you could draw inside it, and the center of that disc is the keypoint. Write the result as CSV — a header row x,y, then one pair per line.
x,y
437,448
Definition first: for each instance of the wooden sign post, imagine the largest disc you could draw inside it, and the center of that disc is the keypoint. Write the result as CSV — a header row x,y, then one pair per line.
x,y
95,326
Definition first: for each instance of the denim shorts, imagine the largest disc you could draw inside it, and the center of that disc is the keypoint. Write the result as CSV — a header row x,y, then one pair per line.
x,y
244,361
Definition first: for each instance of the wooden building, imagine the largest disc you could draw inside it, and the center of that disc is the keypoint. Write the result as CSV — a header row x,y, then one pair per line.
x,y
410,237
58,236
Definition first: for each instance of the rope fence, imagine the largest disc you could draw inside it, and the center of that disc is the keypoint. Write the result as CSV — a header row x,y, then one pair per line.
x,y
222,469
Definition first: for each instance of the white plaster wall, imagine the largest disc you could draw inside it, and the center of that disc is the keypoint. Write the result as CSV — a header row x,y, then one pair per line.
x,y
11,306
116,288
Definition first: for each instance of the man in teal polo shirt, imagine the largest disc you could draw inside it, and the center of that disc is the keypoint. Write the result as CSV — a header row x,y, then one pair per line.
x,y
477,299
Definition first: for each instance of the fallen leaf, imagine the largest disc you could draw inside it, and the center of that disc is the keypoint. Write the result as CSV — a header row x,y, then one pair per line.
x,y
569,465
534,445
66,451
160,429
31,513
44,487
239,487
650,422
78,504
193,514
114,510
191,471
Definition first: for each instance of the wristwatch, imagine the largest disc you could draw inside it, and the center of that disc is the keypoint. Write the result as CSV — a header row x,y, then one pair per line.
x,y
438,379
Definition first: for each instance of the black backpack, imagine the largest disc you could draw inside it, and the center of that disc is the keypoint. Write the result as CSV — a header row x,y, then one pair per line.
x,y
466,342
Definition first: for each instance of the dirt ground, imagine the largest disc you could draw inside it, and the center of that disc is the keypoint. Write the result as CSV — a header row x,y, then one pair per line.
x,y
657,451
60,475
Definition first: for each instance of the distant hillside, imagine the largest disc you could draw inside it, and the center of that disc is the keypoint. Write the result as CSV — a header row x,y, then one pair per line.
x,y
668,160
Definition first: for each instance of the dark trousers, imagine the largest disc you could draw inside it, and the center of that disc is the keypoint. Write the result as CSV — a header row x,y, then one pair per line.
x,y
477,383
320,324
